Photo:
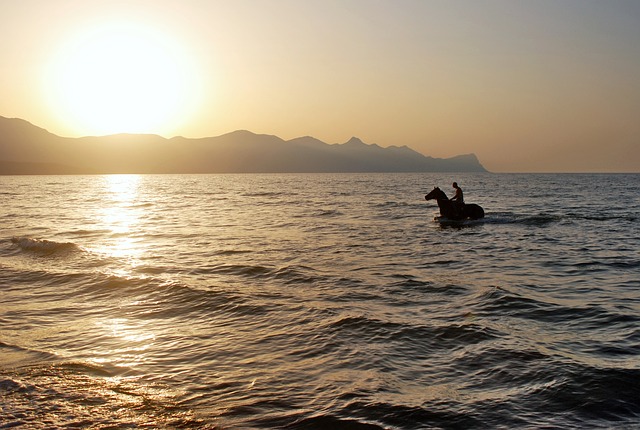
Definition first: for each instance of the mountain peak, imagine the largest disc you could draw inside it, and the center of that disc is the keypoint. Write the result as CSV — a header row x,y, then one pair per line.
x,y
355,141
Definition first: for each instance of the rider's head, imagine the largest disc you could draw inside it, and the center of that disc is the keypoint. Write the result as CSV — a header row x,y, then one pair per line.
x,y
455,185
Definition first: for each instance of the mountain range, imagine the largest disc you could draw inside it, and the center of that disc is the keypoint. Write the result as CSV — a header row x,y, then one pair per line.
x,y
28,149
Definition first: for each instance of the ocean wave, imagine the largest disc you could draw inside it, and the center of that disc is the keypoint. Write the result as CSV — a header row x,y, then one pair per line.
x,y
535,220
328,213
321,421
425,337
506,303
545,219
43,246
408,287
74,396
286,274
394,204
18,356
265,194
540,220
224,252
318,213
82,233
614,217
595,394
8,386
157,298
408,417
244,270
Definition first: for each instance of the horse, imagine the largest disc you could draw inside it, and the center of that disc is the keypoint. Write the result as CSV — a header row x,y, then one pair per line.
x,y
454,210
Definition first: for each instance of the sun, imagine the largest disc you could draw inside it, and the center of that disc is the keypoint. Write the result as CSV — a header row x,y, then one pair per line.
x,y
122,77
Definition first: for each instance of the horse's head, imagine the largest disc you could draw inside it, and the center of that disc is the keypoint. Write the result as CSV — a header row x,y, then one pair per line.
x,y
436,194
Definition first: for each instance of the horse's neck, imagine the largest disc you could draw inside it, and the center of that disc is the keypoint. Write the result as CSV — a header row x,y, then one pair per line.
x,y
444,201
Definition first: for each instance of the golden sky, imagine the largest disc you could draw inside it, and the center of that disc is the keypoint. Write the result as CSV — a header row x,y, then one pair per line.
x,y
528,86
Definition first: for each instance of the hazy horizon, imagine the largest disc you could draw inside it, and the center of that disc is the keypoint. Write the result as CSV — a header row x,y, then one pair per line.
x,y
526,86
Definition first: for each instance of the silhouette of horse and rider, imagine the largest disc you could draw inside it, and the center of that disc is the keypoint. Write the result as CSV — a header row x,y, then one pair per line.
x,y
455,208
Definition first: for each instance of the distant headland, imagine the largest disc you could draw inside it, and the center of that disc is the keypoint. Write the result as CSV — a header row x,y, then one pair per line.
x,y
28,149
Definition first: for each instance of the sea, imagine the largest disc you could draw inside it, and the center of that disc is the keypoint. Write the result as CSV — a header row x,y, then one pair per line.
x,y
319,301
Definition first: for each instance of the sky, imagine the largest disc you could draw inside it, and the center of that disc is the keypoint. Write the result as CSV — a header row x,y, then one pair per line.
x,y
528,86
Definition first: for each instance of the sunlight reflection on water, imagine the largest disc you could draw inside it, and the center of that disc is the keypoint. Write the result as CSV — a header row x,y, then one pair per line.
x,y
127,342
120,215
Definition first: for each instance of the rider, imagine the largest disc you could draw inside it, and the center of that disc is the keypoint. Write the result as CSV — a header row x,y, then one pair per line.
x,y
458,199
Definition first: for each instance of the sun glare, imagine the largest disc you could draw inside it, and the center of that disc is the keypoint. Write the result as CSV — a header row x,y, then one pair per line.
x,y
122,78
